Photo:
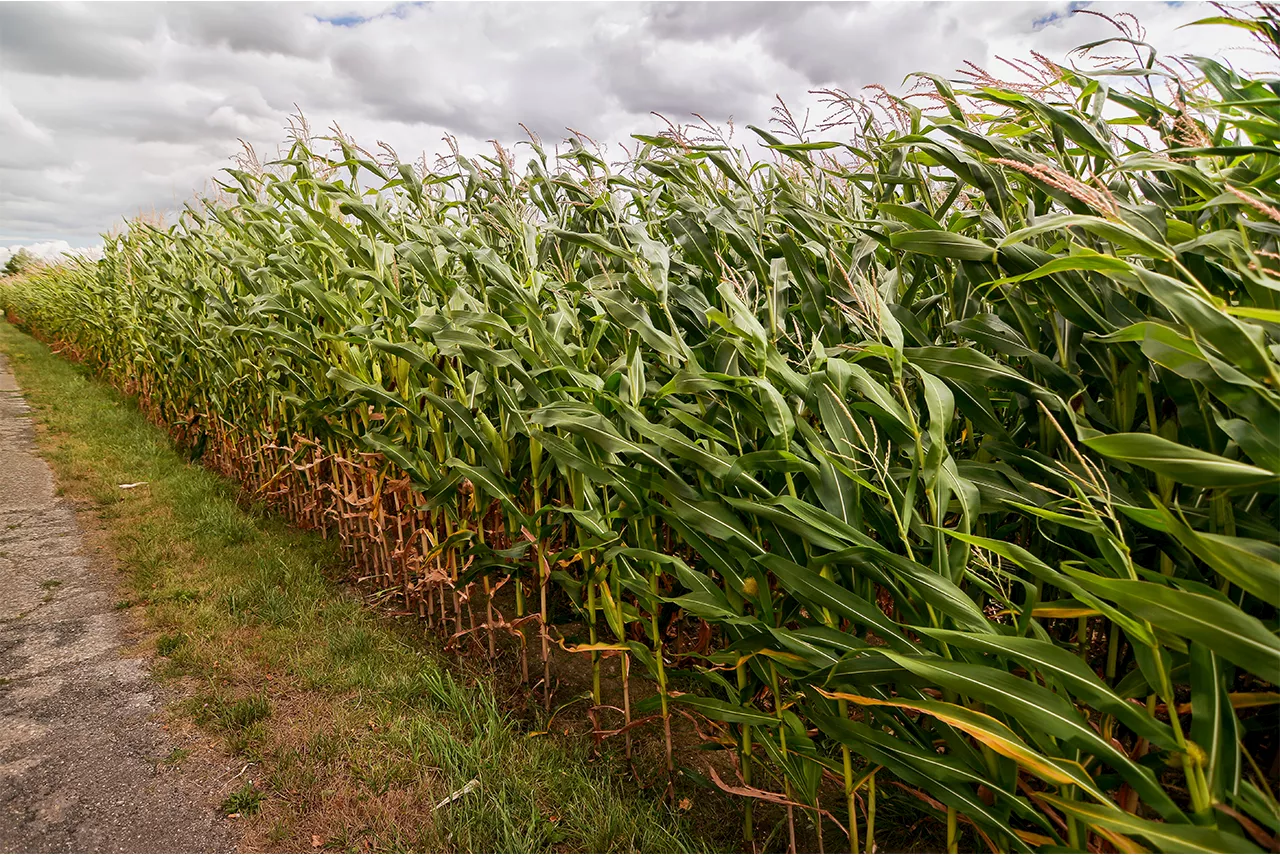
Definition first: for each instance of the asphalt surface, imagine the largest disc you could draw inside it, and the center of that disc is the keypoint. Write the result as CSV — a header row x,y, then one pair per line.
x,y
81,732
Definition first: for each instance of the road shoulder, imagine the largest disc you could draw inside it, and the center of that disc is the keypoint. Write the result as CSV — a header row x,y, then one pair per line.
x,y
87,762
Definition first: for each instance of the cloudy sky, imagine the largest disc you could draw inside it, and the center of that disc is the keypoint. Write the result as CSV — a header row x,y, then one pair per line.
x,y
109,109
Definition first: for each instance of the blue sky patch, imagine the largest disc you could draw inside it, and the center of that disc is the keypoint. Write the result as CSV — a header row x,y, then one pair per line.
x,y
343,20
397,11
1053,17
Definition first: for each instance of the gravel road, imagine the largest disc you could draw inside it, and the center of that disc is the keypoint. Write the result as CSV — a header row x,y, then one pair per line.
x,y
81,733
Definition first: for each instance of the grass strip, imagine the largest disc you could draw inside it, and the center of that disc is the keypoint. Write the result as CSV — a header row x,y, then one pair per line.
x,y
355,724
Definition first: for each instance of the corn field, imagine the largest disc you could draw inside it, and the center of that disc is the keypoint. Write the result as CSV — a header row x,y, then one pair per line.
x,y
955,444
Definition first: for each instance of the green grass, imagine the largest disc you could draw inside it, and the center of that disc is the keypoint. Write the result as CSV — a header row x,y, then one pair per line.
x,y
167,644
175,757
244,801
355,724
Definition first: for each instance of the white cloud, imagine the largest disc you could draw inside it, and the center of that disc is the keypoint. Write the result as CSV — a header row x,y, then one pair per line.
x,y
108,110
51,250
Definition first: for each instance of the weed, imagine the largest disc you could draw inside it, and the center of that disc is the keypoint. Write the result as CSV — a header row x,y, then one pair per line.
x,y
167,644
237,715
49,586
175,757
244,801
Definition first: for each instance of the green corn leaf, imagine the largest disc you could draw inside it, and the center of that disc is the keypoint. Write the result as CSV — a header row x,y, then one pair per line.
x,y
930,771
1121,234
823,593
1179,462
941,244
1220,626
1036,708
1066,669
1254,565
991,733
1214,727
1165,836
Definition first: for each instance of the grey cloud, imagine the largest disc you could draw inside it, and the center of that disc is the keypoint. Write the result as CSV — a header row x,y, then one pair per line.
x,y
647,77
856,44
63,40
397,84
268,28
111,108
271,83
699,20
85,110
482,88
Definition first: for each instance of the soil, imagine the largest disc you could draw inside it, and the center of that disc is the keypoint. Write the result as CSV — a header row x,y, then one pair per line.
x,y
87,760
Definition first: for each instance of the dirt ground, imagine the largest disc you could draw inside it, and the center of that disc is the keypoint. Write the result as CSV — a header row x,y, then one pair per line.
x,y
87,762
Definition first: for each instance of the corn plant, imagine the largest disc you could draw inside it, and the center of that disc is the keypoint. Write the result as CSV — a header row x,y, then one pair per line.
x,y
957,439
